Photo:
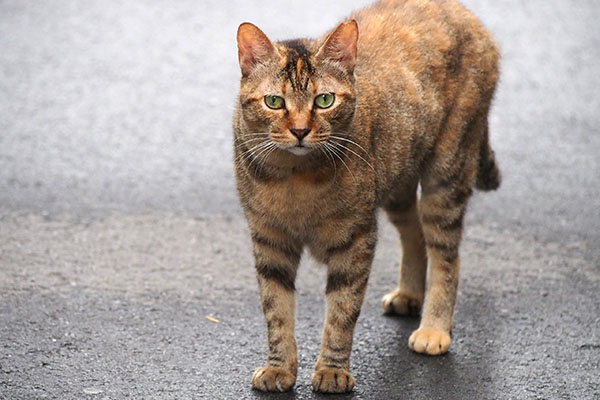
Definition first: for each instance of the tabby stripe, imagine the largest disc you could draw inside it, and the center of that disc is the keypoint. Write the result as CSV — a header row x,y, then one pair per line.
x,y
279,273
460,196
455,177
336,349
273,345
275,360
449,251
351,320
274,322
441,246
291,254
339,280
443,222
359,231
268,304
337,361
400,206
365,255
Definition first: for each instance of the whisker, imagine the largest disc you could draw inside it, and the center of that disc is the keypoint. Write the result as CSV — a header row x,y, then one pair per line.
x,y
247,140
335,152
358,155
351,141
260,135
266,156
262,151
330,158
252,150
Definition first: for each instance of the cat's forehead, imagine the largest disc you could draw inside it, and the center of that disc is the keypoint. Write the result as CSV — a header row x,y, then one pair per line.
x,y
298,67
298,73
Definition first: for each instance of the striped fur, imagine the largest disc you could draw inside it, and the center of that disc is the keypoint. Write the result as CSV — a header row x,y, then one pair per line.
x,y
412,93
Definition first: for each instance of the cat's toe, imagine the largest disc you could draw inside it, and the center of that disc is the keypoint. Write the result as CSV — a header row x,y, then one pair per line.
x,y
429,341
332,380
272,379
401,303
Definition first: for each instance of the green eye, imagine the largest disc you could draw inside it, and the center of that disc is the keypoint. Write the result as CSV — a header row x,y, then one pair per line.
x,y
274,102
324,100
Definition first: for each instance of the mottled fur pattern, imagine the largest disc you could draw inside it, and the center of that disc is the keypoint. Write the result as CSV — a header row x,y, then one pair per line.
x,y
413,81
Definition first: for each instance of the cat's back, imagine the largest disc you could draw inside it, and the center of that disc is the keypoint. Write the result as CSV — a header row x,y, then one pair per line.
x,y
426,37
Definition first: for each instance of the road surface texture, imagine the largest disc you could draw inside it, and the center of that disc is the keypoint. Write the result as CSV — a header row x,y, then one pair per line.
x,y
120,229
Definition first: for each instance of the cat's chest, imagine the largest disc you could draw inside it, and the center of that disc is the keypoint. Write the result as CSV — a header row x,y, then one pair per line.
x,y
296,202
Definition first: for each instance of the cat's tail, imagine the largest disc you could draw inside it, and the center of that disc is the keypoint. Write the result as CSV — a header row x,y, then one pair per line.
x,y
488,174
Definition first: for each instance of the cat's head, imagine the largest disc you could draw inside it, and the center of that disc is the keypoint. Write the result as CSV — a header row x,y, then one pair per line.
x,y
297,93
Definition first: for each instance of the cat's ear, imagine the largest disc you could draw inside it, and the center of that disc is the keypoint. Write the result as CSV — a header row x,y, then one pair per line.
x,y
340,46
254,47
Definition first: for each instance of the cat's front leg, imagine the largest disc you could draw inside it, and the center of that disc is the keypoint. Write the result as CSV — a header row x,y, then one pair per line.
x,y
349,264
277,260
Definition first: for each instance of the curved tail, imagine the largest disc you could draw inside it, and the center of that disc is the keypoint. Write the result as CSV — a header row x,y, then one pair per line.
x,y
488,174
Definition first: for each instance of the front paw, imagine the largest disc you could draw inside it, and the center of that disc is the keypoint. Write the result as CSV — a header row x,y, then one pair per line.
x,y
429,341
401,303
273,379
332,380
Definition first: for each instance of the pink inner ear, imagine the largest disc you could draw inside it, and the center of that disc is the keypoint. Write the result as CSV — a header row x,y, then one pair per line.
x,y
341,44
253,47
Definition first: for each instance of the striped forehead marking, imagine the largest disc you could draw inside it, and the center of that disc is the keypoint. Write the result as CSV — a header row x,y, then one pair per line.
x,y
298,68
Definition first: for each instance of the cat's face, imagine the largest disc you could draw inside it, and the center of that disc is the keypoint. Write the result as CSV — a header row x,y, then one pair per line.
x,y
297,94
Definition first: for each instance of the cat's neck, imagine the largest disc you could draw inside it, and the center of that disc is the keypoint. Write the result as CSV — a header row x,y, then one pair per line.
x,y
311,162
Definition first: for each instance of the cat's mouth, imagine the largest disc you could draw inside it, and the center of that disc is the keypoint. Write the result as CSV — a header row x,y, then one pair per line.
x,y
299,150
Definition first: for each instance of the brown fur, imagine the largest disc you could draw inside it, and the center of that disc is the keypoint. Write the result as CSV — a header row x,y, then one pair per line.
x,y
411,104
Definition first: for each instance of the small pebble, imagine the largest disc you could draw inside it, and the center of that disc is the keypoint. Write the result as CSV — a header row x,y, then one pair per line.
x,y
92,391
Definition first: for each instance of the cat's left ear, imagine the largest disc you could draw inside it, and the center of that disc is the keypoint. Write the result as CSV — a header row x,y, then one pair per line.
x,y
340,46
254,47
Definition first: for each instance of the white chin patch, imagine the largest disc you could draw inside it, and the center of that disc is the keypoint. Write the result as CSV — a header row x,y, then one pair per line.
x,y
299,151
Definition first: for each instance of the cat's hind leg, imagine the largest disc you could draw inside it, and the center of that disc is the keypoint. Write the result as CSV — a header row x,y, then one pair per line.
x,y
407,299
445,191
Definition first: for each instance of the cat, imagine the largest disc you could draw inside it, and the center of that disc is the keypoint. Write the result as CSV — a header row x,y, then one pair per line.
x,y
326,132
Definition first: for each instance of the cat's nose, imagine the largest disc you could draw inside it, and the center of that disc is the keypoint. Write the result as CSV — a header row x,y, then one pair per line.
x,y
300,133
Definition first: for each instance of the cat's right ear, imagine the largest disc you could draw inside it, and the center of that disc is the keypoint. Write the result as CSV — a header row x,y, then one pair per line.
x,y
341,45
254,47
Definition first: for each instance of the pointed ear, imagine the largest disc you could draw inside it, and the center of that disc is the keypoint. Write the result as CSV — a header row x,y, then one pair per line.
x,y
341,45
254,47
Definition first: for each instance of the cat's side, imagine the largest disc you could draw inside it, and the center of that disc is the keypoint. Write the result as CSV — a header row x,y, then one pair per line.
x,y
329,130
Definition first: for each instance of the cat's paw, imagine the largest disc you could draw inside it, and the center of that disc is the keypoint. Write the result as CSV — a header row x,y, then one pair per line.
x,y
272,379
429,341
401,303
332,380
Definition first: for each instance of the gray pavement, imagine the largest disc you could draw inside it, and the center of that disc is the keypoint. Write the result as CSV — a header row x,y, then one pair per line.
x,y
120,230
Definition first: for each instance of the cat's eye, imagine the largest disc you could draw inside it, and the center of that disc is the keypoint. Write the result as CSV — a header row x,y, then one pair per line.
x,y
274,102
324,100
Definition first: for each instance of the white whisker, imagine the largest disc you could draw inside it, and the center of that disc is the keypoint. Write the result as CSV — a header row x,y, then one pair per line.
x,y
253,150
330,158
335,152
356,154
262,151
267,155
351,141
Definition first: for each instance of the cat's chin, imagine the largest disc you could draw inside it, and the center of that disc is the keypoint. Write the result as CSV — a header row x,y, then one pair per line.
x,y
299,151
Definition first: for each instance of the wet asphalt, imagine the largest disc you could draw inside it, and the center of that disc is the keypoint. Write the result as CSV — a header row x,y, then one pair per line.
x,y
125,262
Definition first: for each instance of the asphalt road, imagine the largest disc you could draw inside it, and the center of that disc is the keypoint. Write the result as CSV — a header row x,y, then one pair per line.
x,y
120,230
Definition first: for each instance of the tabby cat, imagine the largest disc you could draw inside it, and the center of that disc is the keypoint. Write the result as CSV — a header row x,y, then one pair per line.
x,y
329,130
